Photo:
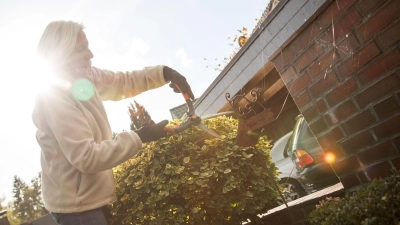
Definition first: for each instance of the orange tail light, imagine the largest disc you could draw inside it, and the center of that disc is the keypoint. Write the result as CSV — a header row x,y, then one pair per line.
x,y
303,158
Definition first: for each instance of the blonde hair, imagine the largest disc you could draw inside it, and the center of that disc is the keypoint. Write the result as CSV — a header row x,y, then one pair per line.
x,y
58,41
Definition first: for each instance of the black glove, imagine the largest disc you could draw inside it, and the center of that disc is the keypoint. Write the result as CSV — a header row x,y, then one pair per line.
x,y
177,79
152,132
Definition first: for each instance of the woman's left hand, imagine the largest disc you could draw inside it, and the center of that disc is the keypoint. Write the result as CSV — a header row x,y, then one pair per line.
x,y
177,80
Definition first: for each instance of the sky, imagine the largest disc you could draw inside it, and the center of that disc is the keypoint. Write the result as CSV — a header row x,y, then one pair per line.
x,y
124,35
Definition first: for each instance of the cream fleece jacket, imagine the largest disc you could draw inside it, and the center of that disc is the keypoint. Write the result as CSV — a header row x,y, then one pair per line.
x,y
77,149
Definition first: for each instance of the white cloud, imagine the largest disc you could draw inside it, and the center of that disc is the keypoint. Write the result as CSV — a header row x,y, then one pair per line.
x,y
139,46
182,56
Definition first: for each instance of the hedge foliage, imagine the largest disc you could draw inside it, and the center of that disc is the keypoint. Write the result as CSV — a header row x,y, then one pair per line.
x,y
375,204
194,178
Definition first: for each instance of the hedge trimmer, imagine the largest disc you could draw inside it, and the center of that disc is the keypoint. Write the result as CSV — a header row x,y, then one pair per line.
x,y
193,119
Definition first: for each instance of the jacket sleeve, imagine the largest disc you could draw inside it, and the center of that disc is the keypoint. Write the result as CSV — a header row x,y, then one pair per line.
x,y
119,85
57,117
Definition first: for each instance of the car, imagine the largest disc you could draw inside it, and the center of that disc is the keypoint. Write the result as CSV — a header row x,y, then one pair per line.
x,y
301,162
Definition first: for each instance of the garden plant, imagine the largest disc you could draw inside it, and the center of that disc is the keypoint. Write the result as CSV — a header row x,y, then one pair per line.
x,y
377,203
194,178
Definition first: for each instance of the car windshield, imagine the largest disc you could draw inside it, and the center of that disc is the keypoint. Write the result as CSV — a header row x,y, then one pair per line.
x,y
305,134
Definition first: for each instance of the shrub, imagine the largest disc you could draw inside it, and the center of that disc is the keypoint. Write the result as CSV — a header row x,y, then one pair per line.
x,y
193,178
378,203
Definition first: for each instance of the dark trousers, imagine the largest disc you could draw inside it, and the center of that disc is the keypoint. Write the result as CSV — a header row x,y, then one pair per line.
x,y
99,216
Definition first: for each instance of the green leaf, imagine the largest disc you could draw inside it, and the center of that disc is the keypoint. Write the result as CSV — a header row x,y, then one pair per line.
x,y
186,159
179,169
204,166
195,210
227,171
204,174
249,194
247,156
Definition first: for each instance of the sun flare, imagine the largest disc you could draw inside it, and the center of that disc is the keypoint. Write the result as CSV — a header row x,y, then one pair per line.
x,y
43,78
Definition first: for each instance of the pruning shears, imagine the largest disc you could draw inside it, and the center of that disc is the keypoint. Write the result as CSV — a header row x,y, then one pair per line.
x,y
193,119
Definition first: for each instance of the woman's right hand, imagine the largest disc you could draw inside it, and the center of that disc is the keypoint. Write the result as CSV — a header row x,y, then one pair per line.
x,y
152,132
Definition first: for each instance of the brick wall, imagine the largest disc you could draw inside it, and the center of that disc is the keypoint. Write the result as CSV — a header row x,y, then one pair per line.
x,y
343,72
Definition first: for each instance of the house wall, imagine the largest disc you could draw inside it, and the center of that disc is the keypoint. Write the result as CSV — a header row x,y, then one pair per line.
x,y
279,26
343,73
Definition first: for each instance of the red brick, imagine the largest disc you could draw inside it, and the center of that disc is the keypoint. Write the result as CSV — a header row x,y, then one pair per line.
x,y
390,36
365,54
396,162
340,30
324,64
380,170
348,45
346,165
306,37
346,24
377,153
299,84
288,75
336,9
310,113
396,142
340,113
285,219
297,214
387,107
388,128
330,138
326,40
379,67
303,100
378,90
318,126
357,142
342,92
274,219
323,85
359,122
369,6
283,58
364,179
307,209
308,57
350,181
321,106
389,13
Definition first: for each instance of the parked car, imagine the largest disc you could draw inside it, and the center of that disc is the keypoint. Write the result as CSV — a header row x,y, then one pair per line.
x,y
300,161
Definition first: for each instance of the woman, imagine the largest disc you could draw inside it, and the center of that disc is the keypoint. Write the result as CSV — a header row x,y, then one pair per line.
x,y
77,149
